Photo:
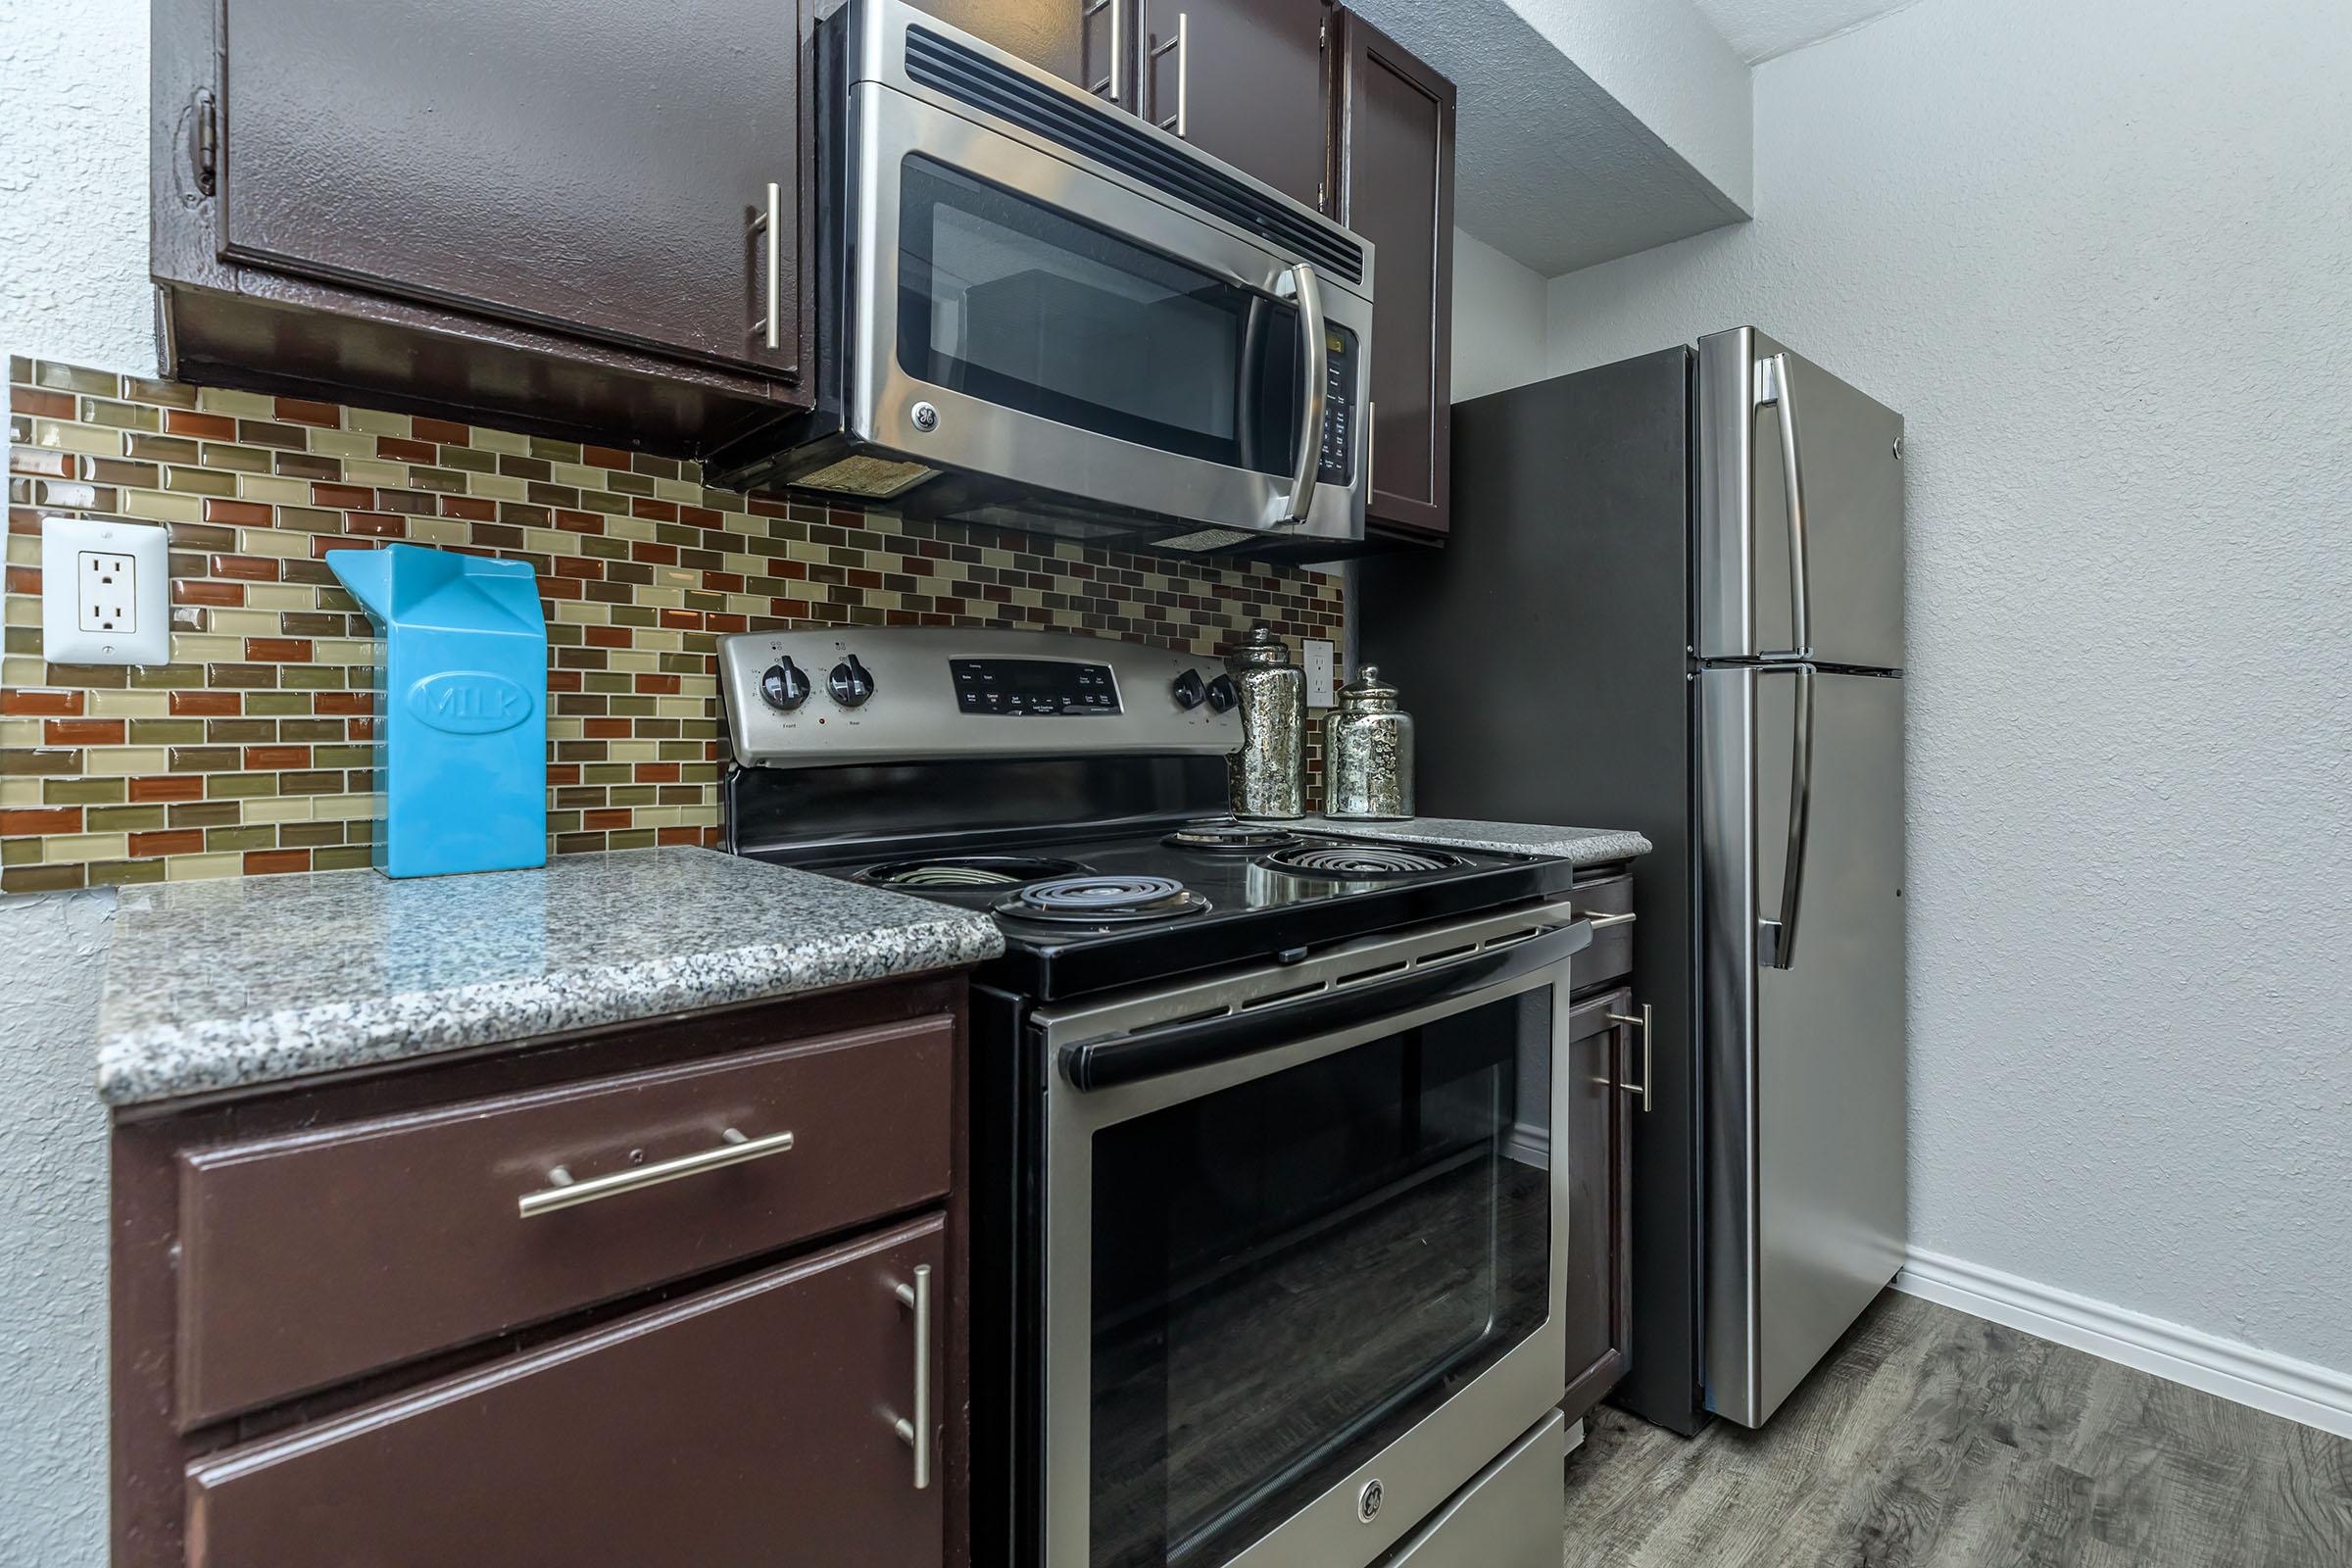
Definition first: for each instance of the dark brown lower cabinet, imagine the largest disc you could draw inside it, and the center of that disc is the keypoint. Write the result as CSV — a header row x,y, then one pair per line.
x,y
1602,1058
748,1423
528,1308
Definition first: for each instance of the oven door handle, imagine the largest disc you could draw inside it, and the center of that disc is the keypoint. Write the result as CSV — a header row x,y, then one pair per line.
x,y
1199,1042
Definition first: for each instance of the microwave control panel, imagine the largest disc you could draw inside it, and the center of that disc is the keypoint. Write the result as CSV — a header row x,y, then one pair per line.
x,y
1339,407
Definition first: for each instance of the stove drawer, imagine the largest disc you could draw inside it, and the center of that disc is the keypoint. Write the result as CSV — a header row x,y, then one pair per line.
x,y
315,1256
1609,903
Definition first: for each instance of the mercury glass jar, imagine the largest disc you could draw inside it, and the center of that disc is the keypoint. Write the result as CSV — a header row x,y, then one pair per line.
x,y
1368,751
1268,772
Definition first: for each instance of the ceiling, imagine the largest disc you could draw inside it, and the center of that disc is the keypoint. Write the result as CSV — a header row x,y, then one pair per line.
x,y
1758,30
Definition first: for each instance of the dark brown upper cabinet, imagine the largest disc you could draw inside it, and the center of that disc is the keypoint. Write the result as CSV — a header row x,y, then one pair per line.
x,y
1396,189
1244,81
588,218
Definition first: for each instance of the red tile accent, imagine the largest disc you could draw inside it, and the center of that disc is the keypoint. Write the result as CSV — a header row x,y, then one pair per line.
x,y
687,836
238,514
268,862
277,650
656,685
196,591
400,451
607,637
85,732
599,821
23,580
39,702
344,497
470,507
204,426
167,841
441,430
34,821
207,705
321,544
657,774
273,758
49,405
247,568
344,703
302,411
605,729
175,787
605,457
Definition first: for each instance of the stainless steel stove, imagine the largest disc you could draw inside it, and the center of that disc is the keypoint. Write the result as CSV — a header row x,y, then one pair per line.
x,y
1268,1231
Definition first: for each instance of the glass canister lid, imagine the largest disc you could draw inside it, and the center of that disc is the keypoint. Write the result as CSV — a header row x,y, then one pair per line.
x,y
1368,692
1260,650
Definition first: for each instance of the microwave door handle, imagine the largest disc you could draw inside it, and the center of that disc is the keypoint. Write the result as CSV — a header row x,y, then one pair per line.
x,y
1300,282
1197,1043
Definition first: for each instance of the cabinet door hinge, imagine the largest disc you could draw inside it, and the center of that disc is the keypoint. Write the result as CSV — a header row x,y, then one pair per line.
x,y
204,142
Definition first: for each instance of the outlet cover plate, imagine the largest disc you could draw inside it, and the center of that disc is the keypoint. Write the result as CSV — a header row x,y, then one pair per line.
x,y
1320,678
69,546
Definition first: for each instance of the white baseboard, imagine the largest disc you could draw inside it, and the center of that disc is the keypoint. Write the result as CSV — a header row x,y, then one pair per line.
x,y
2300,1390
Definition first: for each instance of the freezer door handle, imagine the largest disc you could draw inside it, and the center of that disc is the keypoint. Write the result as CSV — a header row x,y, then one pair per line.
x,y
1776,390
1777,939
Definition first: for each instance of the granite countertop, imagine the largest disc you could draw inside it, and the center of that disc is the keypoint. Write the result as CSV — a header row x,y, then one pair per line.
x,y
220,985
1578,846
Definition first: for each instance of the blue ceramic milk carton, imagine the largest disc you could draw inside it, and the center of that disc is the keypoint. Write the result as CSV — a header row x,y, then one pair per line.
x,y
461,728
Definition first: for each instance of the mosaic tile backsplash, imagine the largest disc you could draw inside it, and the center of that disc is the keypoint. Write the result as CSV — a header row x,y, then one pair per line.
x,y
249,752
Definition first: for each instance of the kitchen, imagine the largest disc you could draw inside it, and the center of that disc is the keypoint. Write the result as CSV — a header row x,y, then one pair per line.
x,y
2080,271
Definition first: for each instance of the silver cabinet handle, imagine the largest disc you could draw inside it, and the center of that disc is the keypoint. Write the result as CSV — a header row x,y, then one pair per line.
x,y
1300,282
563,1192
1639,1021
770,325
1780,936
1182,44
1775,388
1108,88
917,1433
1601,922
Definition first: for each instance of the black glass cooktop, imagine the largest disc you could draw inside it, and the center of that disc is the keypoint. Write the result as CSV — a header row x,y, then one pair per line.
x,y
1086,912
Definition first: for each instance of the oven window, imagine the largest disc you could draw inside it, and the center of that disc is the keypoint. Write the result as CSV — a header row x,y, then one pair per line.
x,y
1013,303
1291,1272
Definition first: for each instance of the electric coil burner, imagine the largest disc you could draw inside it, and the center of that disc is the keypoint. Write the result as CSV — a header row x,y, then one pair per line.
x,y
1356,861
1232,834
951,871
1100,900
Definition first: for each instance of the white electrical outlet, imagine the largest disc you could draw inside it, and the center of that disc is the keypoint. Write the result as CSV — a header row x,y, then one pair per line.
x,y
1320,677
105,592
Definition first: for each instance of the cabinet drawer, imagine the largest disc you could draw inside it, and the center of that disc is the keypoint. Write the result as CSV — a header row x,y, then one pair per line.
x,y
752,1423
1610,956
314,1257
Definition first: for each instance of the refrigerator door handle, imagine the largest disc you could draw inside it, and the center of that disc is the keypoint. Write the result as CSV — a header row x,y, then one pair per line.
x,y
1777,939
1776,389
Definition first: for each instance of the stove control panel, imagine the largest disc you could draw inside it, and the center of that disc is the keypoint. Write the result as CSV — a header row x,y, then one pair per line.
x,y
1034,688
862,693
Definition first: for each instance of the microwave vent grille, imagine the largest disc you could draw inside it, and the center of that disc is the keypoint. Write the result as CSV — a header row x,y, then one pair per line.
x,y
1106,137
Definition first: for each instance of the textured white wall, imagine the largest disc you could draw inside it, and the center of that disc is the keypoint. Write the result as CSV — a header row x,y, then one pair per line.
x,y
1499,323
2101,255
74,183
52,1233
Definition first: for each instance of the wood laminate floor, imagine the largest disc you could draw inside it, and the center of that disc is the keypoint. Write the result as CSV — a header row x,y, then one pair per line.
x,y
1932,1438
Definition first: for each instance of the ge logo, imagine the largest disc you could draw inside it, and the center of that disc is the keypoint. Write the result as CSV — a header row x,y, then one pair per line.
x,y
1367,1502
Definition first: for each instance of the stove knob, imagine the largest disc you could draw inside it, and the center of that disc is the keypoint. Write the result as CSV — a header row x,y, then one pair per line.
x,y
785,686
1222,695
850,683
1187,690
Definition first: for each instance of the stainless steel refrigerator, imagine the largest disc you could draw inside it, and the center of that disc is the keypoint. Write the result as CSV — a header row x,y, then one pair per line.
x,y
1673,600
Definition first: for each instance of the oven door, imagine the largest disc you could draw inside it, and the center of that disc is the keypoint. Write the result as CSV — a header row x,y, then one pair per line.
x,y
1019,312
1303,1246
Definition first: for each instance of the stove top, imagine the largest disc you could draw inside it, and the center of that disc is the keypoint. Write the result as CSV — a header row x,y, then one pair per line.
x,y
1085,910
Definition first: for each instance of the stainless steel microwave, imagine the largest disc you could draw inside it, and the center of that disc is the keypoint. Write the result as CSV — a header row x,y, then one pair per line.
x,y
1036,310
